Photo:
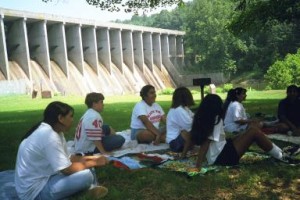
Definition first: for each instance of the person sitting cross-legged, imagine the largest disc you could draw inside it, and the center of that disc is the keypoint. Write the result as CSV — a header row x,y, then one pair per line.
x,y
146,117
91,135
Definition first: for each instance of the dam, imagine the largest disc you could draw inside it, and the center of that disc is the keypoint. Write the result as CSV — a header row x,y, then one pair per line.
x,y
72,56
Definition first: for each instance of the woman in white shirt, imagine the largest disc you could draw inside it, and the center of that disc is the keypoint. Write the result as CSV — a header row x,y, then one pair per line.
x,y
207,131
146,117
44,168
236,120
179,121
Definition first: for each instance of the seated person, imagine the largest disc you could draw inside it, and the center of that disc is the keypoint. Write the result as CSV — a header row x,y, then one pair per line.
x,y
208,132
91,136
179,121
44,168
236,119
289,112
146,117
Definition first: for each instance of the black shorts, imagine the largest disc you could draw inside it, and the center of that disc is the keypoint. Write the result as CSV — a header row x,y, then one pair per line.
x,y
228,155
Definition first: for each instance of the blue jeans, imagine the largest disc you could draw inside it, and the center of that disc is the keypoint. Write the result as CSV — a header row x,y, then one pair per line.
x,y
110,141
61,186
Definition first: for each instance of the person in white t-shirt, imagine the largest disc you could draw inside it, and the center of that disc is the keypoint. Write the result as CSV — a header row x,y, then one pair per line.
x,y
45,170
236,119
179,121
146,117
208,132
91,136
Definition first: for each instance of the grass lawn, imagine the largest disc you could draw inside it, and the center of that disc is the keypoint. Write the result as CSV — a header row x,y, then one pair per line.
x,y
261,180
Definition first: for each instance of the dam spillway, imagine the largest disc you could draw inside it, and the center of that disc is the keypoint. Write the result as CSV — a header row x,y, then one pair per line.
x,y
77,56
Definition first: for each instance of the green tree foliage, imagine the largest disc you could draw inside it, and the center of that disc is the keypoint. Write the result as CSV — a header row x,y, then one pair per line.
x,y
130,5
271,26
253,15
207,38
284,73
165,19
267,45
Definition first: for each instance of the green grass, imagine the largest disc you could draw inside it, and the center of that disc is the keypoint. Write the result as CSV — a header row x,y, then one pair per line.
x,y
260,180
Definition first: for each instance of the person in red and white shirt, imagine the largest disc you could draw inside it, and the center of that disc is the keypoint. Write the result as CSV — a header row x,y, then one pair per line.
x,y
91,135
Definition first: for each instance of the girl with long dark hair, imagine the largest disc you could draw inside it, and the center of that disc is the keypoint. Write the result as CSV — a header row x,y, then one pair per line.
x,y
208,132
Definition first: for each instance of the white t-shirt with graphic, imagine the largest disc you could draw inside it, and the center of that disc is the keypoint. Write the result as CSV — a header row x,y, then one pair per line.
x,y
153,113
178,119
235,112
88,130
41,155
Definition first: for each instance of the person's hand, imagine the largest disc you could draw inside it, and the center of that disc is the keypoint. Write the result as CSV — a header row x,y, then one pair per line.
x,y
194,169
157,140
101,161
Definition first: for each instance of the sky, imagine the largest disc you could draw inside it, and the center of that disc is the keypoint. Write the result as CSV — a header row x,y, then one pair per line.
x,y
69,8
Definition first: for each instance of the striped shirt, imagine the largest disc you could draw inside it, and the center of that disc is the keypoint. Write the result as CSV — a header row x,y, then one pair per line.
x,y
88,130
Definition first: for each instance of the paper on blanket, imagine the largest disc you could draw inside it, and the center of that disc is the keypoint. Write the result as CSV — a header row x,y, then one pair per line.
x,y
140,148
129,162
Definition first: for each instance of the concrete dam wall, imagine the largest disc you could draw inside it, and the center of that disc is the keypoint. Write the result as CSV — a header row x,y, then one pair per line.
x,y
76,56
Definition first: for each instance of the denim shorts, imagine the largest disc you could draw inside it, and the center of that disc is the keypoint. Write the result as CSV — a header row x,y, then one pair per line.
x,y
134,133
177,144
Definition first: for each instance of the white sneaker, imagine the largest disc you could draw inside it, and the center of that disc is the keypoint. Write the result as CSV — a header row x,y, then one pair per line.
x,y
97,192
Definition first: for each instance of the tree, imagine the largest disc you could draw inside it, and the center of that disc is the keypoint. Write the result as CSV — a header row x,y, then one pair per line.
x,y
253,15
285,72
131,5
273,27
207,39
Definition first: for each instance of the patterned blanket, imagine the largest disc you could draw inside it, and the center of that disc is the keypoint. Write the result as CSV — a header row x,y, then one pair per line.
x,y
185,165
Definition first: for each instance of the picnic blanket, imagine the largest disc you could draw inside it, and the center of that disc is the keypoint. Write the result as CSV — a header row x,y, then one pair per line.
x,y
185,165
129,146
